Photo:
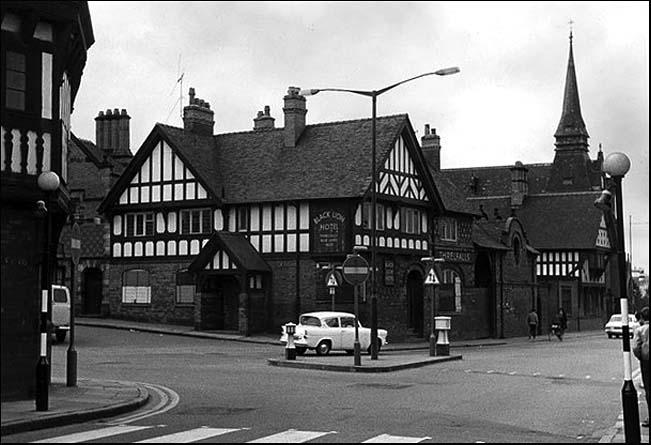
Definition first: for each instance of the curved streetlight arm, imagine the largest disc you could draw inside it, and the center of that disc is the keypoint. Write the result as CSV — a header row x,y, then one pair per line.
x,y
441,72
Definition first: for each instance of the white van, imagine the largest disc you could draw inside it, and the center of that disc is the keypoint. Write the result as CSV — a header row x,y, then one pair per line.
x,y
60,311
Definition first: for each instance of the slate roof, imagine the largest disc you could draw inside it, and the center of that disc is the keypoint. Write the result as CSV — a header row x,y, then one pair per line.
x,y
330,160
238,248
562,221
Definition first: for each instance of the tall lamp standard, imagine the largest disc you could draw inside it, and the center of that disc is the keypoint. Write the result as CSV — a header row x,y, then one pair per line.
x,y
373,95
48,182
616,165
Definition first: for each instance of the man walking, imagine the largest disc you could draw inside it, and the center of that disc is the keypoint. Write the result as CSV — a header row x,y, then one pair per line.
x,y
532,321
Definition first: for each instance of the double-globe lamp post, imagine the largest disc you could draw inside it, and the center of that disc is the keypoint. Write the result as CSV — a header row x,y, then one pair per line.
x,y
373,95
616,165
49,183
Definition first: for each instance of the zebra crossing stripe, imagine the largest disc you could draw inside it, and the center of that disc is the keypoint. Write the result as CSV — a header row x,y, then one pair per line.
x,y
190,435
387,438
94,434
292,436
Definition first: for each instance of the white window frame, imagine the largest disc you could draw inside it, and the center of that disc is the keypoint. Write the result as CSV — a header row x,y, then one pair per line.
x,y
138,294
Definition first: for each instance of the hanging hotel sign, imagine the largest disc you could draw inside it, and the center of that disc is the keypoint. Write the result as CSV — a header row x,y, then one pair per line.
x,y
329,231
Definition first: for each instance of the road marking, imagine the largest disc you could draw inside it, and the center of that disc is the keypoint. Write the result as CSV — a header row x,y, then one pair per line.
x,y
94,434
386,438
193,435
292,436
168,400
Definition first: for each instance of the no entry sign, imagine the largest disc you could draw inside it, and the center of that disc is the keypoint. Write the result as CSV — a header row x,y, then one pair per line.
x,y
355,270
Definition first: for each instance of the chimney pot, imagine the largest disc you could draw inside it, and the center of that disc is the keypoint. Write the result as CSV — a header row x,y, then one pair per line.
x,y
295,112
431,147
109,112
197,116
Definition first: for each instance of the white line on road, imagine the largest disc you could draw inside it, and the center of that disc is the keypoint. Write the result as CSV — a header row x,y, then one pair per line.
x,y
193,435
387,438
93,434
168,400
292,436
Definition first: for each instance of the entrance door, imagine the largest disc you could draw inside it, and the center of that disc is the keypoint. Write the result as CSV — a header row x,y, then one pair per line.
x,y
415,302
220,303
92,291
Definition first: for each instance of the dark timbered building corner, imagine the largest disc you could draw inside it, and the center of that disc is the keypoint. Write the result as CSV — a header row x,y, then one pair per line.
x,y
44,46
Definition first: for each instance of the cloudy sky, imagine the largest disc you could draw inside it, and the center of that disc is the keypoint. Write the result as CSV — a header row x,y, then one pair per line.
x,y
504,105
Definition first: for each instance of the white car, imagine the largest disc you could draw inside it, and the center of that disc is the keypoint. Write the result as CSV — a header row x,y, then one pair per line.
x,y
614,326
331,331
60,311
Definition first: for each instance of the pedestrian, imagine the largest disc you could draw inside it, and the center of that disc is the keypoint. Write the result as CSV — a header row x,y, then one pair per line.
x,y
561,322
532,321
641,351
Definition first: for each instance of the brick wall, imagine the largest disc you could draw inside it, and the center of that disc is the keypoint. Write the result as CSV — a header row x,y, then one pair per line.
x,y
163,307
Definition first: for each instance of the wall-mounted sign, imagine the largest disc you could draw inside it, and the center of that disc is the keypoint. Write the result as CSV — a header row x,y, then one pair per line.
x,y
389,273
455,256
328,230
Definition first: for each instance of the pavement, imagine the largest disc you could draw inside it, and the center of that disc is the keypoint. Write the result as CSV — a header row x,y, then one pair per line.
x,y
93,399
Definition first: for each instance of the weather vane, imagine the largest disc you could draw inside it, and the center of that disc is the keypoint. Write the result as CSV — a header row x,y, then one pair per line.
x,y
571,22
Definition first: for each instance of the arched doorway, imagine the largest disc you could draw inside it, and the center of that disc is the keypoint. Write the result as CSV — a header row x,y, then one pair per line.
x,y
92,291
415,302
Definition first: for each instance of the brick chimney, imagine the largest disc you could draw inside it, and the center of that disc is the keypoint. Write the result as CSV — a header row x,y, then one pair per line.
x,y
198,118
431,146
295,112
264,121
112,132
519,184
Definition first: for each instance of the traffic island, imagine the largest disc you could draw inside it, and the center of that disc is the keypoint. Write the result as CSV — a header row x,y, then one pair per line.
x,y
385,363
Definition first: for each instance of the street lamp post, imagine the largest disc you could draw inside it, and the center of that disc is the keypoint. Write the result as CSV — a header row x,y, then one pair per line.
x,y
373,95
616,165
48,182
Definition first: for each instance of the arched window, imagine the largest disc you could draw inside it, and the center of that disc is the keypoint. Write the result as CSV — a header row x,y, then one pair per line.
x,y
450,291
135,287
517,247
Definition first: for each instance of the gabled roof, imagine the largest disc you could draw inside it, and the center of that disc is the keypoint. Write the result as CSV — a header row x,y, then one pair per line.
x,y
330,160
238,248
452,197
495,180
89,148
562,221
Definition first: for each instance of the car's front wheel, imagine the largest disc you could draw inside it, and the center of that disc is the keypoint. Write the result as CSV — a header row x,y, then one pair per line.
x,y
323,348
610,335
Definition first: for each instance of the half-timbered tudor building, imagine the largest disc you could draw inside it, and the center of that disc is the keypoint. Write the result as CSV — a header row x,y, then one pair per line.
x,y
237,231
555,204
44,46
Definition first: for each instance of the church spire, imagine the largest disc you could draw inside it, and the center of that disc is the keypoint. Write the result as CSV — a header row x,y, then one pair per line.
x,y
571,133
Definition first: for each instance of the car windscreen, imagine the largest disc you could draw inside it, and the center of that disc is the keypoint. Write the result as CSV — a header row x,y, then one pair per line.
x,y
309,321
616,318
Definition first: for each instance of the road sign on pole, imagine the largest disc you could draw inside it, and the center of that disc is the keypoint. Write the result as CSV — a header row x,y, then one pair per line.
x,y
431,277
355,270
